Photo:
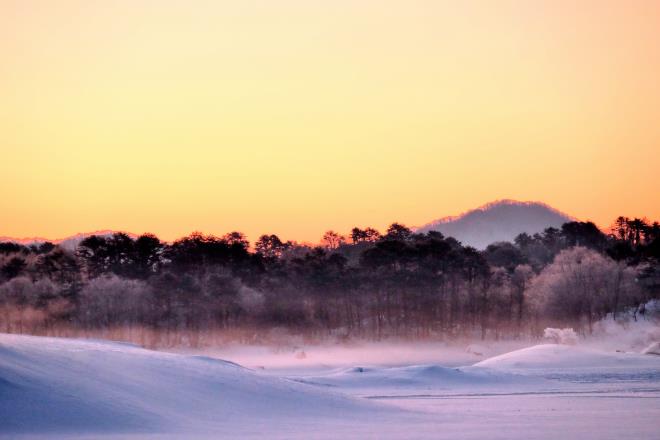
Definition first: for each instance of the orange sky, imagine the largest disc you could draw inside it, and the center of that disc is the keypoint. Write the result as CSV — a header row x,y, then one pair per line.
x,y
295,117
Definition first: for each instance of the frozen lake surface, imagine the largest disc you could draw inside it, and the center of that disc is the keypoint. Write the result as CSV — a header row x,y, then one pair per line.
x,y
62,388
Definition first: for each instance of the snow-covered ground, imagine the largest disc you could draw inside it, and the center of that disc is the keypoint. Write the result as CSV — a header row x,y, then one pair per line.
x,y
59,388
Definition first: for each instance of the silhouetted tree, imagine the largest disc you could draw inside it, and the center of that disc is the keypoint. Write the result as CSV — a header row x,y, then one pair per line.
x,y
60,266
270,246
92,252
8,247
358,235
397,231
13,268
584,234
332,240
147,255
371,235
42,248
504,255
236,239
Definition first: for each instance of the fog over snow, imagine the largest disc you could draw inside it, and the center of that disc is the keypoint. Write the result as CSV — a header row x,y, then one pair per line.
x,y
64,388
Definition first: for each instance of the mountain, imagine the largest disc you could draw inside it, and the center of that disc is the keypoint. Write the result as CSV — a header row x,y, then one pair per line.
x,y
498,221
67,243
25,241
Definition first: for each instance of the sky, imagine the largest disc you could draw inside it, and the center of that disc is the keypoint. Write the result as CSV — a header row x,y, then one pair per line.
x,y
298,116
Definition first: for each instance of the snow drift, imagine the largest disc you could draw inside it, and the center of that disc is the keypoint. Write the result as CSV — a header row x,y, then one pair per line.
x,y
421,380
50,385
566,357
62,388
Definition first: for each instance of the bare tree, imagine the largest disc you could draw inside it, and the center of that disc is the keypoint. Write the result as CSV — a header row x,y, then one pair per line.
x,y
332,240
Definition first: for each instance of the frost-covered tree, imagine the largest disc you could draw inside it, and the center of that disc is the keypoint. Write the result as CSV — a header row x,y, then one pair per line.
x,y
582,285
20,301
109,301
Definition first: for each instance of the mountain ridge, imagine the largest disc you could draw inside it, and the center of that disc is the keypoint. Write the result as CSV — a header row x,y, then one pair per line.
x,y
495,203
69,242
500,220
476,227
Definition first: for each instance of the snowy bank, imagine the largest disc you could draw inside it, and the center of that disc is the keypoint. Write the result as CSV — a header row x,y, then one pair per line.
x,y
71,389
50,385
567,357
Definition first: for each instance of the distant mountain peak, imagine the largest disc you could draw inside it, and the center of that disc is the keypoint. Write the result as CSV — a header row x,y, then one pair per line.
x,y
496,204
70,242
501,220
26,241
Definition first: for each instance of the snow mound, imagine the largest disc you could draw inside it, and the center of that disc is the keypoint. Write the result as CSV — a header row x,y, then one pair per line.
x,y
414,379
51,385
411,374
654,348
554,356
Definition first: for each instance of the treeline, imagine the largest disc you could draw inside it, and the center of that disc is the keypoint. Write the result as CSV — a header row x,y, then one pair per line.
x,y
365,284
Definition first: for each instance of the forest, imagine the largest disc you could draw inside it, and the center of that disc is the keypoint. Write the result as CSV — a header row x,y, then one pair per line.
x,y
204,289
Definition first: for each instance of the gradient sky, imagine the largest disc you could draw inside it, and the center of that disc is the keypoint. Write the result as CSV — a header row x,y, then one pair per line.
x,y
295,117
